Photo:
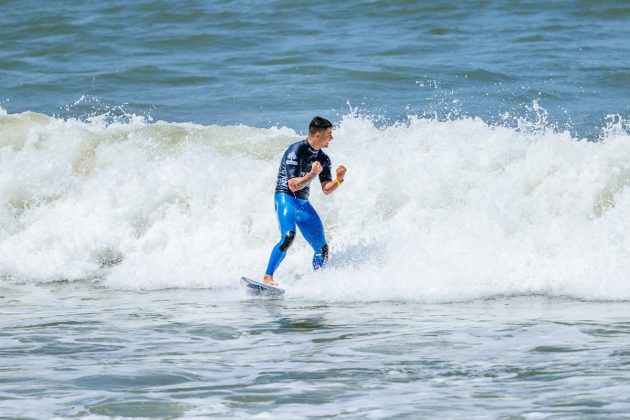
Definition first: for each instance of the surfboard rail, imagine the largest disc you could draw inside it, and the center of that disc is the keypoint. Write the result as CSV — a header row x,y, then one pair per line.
x,y
256,288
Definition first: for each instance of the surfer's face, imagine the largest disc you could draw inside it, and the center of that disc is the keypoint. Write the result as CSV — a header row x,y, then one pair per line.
x,y
325,137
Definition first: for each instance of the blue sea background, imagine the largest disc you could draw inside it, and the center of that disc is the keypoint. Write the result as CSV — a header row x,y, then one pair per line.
x,y
279,62
479,247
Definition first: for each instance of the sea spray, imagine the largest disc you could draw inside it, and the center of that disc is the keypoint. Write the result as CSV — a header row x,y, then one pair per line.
x,y
432,209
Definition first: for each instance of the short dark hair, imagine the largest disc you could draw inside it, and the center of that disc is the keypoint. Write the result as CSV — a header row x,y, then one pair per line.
x,y
319,124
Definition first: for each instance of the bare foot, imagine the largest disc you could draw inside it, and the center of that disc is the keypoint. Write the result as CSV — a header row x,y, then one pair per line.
x,y
269,280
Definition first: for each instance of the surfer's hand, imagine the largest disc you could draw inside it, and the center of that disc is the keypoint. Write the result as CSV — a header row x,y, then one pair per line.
x,y
317,168
341,172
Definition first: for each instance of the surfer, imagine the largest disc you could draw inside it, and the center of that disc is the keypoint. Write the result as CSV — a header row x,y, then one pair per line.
x,y
301,163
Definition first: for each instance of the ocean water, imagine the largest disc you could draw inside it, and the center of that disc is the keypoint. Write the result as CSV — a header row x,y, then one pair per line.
x,y
279,62
479,249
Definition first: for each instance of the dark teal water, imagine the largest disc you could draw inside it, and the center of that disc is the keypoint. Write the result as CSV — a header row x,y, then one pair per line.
x,y
72,351
280,62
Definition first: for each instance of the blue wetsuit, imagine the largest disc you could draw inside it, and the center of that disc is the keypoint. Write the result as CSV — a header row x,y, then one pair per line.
x,y
294,208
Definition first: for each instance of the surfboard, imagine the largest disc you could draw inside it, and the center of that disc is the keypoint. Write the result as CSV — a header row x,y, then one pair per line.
x,y
255,288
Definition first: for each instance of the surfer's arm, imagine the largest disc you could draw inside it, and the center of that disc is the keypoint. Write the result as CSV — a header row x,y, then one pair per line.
x,y
296,184
329,186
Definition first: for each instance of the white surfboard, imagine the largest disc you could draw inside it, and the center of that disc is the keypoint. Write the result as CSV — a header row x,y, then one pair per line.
x,y
256,288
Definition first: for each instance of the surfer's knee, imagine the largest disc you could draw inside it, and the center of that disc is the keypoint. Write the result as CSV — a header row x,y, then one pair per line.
x,y
288,240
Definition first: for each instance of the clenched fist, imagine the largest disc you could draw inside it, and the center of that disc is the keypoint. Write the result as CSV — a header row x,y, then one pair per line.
x,y
317,168
341,172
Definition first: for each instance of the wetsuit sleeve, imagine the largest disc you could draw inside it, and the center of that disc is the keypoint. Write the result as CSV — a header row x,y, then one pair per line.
x,y
291,162
326,175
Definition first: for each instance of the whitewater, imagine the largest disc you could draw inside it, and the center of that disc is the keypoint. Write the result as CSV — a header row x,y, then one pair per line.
x,y
433,210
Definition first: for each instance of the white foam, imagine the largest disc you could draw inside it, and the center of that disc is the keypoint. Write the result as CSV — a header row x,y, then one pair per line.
x,y
431,210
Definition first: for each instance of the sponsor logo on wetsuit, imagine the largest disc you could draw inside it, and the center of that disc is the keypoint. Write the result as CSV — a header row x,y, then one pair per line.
x,y
291,159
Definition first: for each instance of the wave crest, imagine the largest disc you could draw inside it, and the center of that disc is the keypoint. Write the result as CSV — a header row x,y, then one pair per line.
x,y
431,210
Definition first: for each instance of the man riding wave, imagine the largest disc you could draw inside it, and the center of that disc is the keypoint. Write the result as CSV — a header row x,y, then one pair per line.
x,y
301,163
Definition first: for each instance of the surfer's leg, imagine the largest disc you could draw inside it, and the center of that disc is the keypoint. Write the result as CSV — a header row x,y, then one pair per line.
x,y
285,210
313,231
